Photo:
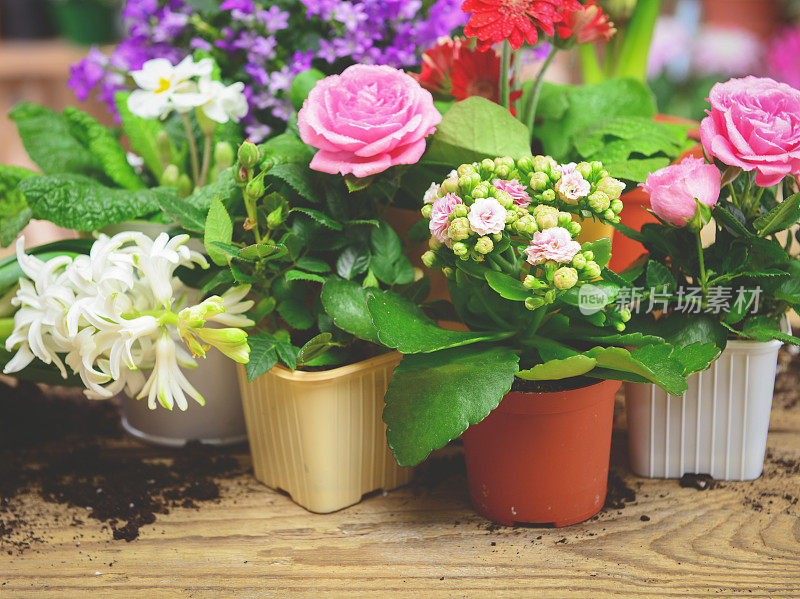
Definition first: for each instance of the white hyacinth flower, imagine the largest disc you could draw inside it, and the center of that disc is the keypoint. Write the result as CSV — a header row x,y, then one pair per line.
x,y
164,87
120,312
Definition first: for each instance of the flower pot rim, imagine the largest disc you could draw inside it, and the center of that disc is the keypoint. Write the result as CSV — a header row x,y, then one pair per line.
x,y
302,376
557,402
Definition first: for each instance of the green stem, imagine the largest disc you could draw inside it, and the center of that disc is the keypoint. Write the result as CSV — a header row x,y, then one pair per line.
x,y
6,328
505,67
187,126
504,264
701,261
206,161
533,101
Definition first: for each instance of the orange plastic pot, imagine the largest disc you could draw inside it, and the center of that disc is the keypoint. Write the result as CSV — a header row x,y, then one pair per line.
x,y
542,458
635,204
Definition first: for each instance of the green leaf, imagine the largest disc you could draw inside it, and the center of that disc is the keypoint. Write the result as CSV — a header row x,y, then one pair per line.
x,y
433,398
696,357
224,188
262,251
729,220
789,291
299,275
659,278
403,326
183,212
14,211
142,134
105,147
352,262
78,202
653,362
287,353
313,264
222,279
601,249
263,355
346,303
302,84
559,369
387,261
355,184
507,286
286,148
781,217
314,348
50,144
296,314
319,217
765,328
230,250
299,177
219,228
474,129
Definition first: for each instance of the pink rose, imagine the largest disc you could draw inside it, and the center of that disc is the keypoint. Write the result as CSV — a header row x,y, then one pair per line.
x,y
572,186
754,123
440,216
515,189
554,244
674,188
366,120
486,216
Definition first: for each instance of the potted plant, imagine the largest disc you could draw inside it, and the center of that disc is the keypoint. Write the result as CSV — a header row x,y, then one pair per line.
x,y
87,22
90,183
736,290
531,382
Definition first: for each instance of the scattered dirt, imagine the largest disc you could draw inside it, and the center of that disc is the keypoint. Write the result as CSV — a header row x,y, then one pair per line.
x,y
619,493
66,449
701,482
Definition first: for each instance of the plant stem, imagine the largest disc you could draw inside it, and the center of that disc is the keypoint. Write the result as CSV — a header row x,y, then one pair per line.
x,y
701,261
6,327
206,161
505,67
187,126
533,101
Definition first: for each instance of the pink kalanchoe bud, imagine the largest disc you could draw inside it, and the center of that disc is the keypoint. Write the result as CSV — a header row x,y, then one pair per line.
x,y
440,216
673,189
515,189
554,244
487,216
572,187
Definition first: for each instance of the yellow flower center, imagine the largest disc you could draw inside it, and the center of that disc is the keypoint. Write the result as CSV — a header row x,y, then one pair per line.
x,y
163,85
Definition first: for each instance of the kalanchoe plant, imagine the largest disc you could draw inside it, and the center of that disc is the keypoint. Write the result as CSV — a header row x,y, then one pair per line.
x,y
538,305
741,285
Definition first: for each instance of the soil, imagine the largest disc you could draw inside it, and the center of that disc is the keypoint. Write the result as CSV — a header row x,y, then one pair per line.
x,y
60,447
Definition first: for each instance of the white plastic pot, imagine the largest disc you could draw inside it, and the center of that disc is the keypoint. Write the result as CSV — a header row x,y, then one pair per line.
x,y
717,427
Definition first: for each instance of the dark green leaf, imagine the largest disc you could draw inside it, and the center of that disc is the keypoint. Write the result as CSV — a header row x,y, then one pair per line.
x,y
313,264
263,355
296,314
184,213
352,262
781,217
433,398
287,353
319,217
314,348
262,251
346,303
659,278
299,177
507,286
224,188
299,275
286,148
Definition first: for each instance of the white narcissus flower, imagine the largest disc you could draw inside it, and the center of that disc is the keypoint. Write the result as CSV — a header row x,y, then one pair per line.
x,y
164,87
223,104
120,311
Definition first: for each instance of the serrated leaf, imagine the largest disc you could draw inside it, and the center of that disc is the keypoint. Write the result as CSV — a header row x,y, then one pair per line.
x,y
433,398
296,314
319,217
315,347
263,355
219,228
696,357
287,353
403,326
78,202
184,213
312,264
299,275
781,217
105,147
222,279
14,211
261,251
659,278
224,188
286,148
230,250
652,362
299,177
729,220
50,144
355,184
346,303
553,370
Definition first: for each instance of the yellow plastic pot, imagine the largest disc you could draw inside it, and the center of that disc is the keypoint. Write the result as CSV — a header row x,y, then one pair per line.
x,y
319,436
592,230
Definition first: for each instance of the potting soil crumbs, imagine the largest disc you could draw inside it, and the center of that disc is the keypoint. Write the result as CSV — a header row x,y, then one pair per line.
x,y
60,447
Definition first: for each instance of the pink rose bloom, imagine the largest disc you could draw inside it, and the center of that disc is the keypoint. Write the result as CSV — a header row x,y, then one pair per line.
x,y
572,186
674,188
366,120
515,189
440,213
486,216
554,244
783,56
754,123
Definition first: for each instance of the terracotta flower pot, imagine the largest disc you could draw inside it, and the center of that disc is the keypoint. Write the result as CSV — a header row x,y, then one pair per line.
x,y
635,204
319,435
757,16
542,457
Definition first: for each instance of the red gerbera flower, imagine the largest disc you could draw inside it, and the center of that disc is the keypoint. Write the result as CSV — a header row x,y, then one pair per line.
x,y
477,73
517,21
589,24
437,64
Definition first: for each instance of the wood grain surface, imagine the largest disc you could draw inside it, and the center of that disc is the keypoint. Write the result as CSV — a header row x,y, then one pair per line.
x,y
738,539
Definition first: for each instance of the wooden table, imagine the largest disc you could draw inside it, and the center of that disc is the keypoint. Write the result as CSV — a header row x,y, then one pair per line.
x,y
742,539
